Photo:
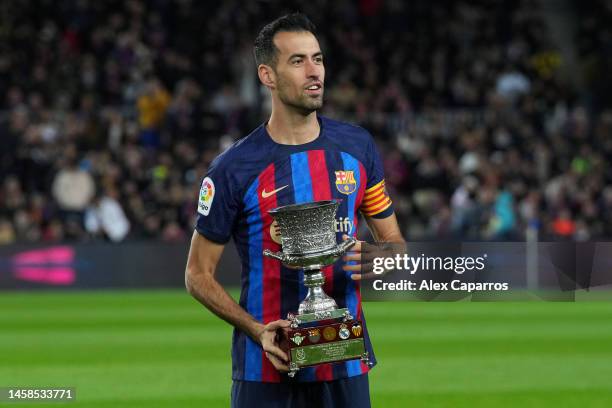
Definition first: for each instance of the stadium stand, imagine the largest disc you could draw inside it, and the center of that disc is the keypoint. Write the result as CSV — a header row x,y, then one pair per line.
x,y
112,111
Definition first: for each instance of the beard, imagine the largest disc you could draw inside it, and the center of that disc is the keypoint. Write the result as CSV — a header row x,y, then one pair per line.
x,y
302,102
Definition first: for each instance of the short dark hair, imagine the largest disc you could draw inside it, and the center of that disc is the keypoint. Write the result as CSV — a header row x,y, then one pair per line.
x,y
265,51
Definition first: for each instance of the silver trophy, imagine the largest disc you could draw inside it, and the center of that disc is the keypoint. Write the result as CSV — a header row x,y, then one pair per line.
x,y
308,242
320,332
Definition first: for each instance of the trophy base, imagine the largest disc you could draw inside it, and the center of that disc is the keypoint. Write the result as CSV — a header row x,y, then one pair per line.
x,y
319,338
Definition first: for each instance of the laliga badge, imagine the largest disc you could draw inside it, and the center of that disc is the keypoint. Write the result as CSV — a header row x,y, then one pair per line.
x,y
207,193
298,338
344,332
300,354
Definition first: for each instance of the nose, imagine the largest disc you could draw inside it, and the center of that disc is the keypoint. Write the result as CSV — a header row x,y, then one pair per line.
x,y
313,70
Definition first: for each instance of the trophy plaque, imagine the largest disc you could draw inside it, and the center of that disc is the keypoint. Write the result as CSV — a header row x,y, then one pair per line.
x,y
320,332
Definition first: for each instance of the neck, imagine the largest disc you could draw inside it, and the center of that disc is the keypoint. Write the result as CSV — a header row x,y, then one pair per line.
x,y
289,127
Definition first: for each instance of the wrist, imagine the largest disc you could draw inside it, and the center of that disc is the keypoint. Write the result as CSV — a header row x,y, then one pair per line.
x,y
255,330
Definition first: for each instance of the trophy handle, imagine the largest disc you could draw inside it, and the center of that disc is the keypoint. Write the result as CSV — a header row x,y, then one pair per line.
x,y
276,255
345,245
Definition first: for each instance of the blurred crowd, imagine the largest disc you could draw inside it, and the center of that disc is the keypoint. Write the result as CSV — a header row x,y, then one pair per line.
x,y
112,111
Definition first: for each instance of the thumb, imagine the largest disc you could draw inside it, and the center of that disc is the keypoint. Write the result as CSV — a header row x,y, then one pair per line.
x,y
278,324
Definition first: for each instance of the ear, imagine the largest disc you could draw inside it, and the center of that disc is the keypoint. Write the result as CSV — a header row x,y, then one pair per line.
x,y
266,75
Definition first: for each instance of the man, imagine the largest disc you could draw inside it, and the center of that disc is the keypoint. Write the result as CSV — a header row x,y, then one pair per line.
x,y
295,157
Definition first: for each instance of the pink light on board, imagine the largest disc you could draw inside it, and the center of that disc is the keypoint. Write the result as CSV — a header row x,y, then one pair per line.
x,y
52,276
49,265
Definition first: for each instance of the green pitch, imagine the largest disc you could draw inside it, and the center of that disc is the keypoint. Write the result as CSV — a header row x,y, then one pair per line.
x,y
162,349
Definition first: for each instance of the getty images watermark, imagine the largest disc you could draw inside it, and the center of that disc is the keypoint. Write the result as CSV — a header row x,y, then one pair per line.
x,y
484,270
422,263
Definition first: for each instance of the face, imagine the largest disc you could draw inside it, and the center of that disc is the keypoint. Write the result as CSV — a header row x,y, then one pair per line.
x,y
299,71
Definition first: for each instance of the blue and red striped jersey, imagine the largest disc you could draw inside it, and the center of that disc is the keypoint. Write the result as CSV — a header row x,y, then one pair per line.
x,y
256,175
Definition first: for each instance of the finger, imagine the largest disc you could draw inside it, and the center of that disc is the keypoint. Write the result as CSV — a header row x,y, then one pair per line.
x,y
278,364
351,257
276,351
352,268
360,256
369,256
362,276
351,252
277,324
361,266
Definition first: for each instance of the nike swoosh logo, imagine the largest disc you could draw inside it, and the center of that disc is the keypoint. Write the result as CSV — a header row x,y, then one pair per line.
x,y
266,194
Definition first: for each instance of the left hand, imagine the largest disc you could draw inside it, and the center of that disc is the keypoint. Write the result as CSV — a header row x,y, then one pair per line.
x,y
364,255
358,253
269,342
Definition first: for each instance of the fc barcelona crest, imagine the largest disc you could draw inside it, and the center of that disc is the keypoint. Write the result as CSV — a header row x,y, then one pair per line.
x,y
345,181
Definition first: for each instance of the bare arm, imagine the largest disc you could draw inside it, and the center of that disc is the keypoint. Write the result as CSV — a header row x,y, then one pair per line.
x,y
201,283
385,229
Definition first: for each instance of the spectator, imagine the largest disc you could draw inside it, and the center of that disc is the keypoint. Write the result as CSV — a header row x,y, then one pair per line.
x,y
7,233
512,84
106,216
152,107
452,94
73,189
563,226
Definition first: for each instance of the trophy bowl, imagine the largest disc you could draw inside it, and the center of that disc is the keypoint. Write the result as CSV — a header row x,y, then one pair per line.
x,y
307,235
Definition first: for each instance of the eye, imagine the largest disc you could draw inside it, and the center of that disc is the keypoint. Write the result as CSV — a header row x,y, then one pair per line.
x,y
318,60
296,61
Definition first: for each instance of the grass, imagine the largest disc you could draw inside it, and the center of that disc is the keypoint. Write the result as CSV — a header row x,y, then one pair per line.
x,y
161,349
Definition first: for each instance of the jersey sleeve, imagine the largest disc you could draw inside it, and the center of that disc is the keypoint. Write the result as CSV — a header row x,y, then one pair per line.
x,y
217,205
376,201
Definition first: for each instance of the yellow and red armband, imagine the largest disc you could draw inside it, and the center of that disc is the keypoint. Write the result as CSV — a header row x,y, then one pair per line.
x,y
375,200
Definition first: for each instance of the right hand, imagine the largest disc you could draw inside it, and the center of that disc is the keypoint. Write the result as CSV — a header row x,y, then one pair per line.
x,y
269,343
